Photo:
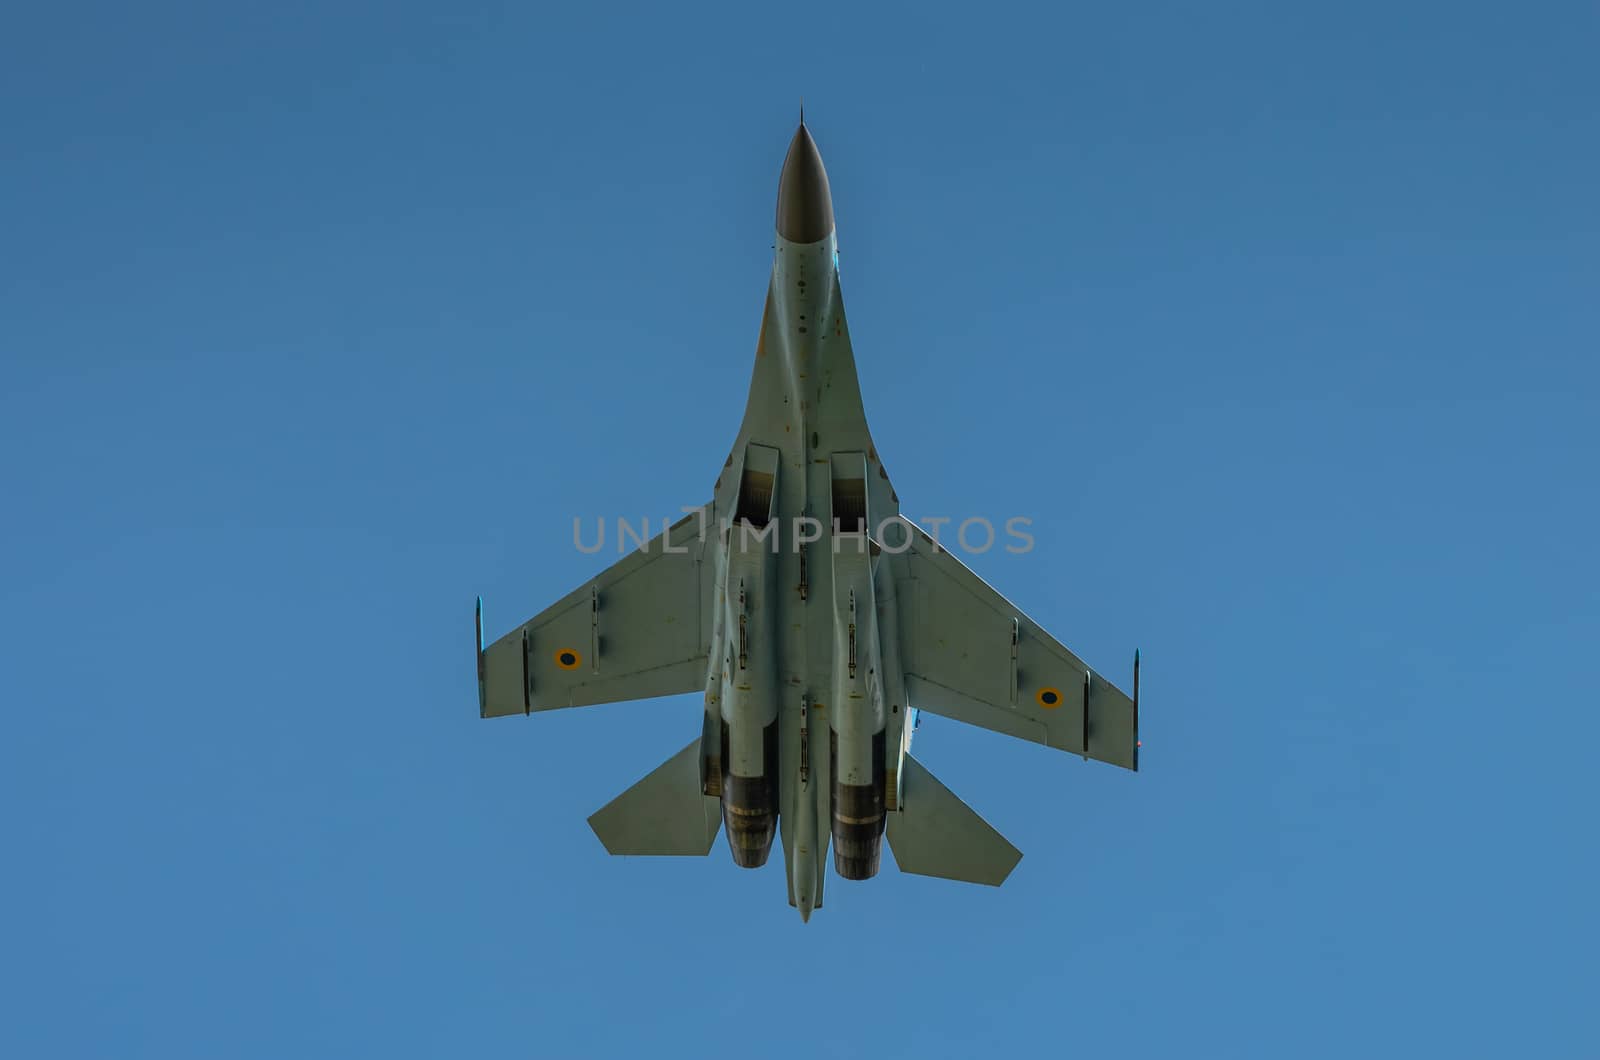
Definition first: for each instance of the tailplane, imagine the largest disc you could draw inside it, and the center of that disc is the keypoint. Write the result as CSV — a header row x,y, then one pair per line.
x,y
663,814
936,834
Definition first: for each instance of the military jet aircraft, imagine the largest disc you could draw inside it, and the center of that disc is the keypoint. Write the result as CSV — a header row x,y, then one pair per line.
x,y
817,621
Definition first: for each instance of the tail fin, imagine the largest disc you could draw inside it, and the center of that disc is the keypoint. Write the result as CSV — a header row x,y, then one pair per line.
x,y
936,834
664,813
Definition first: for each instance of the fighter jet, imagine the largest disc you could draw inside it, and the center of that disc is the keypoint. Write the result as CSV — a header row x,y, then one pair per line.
x,y
817,621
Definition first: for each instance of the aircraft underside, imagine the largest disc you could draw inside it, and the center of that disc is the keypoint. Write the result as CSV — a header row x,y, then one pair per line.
x,y
816,620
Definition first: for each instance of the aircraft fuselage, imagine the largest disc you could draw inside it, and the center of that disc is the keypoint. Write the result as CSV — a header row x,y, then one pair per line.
x,y
798,685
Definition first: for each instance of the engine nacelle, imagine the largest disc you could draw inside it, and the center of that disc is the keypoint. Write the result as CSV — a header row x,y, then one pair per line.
x,y
858,816
750,804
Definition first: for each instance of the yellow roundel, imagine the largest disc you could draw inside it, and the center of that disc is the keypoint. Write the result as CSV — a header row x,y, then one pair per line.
x,y
568,658
1049,698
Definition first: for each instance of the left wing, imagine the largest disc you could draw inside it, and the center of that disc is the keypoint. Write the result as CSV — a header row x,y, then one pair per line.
x,y
633,632
971,655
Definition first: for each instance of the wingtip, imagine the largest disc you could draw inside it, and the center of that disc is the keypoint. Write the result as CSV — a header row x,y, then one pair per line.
x,y
477,623
1136,743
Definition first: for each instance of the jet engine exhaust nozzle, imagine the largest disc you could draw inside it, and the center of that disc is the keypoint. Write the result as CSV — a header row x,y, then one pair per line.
x,y
858,819
750,804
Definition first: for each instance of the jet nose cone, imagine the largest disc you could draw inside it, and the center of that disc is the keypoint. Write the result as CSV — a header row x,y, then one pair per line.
x,y
805,205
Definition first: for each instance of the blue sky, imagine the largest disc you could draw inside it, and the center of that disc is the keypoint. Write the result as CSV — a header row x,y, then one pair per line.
x,y
317,320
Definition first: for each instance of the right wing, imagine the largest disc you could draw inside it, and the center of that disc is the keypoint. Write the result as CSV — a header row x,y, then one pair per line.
x,y
634,632
971,655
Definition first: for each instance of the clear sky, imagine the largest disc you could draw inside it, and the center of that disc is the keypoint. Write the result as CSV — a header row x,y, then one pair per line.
x,y
319,319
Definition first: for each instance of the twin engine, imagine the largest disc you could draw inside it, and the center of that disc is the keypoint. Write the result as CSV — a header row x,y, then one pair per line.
x,y
858,819
750,804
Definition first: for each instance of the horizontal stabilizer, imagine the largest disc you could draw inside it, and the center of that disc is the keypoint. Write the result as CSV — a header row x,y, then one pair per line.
x,y
663,814
936,834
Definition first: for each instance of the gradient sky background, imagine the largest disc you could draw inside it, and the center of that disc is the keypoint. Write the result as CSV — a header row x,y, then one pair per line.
x,y
316,320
